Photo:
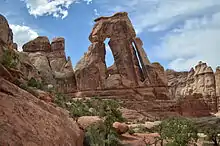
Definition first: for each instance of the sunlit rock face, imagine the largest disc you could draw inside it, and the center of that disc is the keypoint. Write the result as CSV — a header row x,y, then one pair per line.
x,y
201,80
127,72
50,60
142,86
6,34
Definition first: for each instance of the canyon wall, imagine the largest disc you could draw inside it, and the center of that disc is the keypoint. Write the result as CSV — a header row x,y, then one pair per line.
x,y
25,118
51,62
139,84
199,81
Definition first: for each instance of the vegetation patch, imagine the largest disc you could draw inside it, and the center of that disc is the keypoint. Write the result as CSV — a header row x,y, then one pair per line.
x,y
101,134
9,59
35,83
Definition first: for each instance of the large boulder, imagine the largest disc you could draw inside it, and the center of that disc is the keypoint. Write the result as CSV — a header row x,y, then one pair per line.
x,y
26,120
121,128
58,43
86,121
41,43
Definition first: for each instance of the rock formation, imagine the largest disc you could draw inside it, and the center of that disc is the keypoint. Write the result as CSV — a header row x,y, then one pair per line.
x,y
217,82
126,73
6,35
50,60
142,86
25,119
201,80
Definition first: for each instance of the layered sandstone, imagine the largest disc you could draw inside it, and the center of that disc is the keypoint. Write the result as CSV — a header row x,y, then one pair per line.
x,y
140,85
6,34
25,116
50,60
126,73
25,120
201,80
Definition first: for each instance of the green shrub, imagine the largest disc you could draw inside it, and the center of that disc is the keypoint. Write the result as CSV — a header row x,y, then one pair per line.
x,y
35,83
212,131
9,59
91,107
131,131
100,134
25,87
178,131
61,100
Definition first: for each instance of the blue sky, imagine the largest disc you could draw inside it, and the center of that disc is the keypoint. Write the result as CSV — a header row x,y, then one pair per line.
x,y
176,33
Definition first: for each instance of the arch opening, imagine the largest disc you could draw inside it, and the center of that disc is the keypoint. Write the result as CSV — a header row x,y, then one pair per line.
x,y
109,58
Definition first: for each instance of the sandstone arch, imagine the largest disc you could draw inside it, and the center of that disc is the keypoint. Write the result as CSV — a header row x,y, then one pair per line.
x,y
91,70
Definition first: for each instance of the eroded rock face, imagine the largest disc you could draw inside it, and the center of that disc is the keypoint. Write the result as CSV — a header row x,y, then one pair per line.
x,y
6,34
40,61
25,120
116,27
57,57
41,43
217,81
90,71
198,81
50,61
126,72
194,106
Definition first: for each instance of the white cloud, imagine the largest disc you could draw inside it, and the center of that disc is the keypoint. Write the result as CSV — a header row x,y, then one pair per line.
x,y
191,28
88,1
198,39
56,8
158,14
22,34
96,12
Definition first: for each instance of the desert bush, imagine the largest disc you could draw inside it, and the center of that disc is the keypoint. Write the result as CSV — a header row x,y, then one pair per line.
x,y
102,134
35,83
24,87
141,129
9,59
108,109
131,131
213,132
61,100
178,131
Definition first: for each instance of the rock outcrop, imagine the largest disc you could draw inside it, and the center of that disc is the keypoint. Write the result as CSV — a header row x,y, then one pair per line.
x,y
6,35
126,73
91,69
140,85
26,120
201,80
27,116
217,82
39,44
50,60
